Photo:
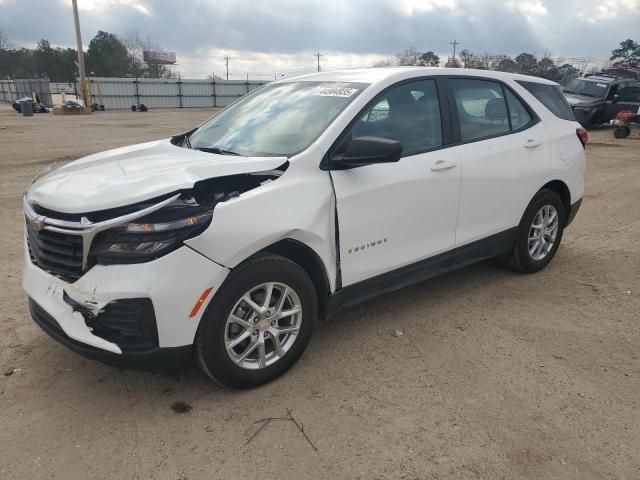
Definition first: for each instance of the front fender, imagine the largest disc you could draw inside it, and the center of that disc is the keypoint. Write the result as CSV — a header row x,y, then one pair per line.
x,y
299,205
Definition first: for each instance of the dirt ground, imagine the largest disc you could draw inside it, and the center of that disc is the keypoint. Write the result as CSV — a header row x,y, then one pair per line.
x,y
496,376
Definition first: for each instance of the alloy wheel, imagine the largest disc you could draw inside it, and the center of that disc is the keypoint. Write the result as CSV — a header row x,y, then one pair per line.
x,y
263,325
543,232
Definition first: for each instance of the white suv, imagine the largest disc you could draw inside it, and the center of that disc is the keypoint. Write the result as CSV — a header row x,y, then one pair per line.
x,y
307,195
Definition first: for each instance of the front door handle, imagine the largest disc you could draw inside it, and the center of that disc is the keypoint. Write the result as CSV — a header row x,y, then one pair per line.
x,y
442,165
532,143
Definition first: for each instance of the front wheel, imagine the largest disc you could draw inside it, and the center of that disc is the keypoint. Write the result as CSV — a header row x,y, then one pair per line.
x,y
258,324
539,234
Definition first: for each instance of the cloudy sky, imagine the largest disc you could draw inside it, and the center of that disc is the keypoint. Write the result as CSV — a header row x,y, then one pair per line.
x,y
268,36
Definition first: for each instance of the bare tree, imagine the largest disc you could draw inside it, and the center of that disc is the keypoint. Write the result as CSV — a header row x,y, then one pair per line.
x,y
387,62
136,45
4,43
411,58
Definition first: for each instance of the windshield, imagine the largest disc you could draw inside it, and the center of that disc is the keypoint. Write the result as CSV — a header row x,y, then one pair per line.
x,y
589,88
279,119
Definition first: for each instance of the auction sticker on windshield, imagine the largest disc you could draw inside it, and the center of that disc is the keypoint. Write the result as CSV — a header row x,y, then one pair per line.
x,y
337,92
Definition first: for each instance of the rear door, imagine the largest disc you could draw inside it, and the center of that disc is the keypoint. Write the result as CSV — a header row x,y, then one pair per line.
x,y
504,155
395,214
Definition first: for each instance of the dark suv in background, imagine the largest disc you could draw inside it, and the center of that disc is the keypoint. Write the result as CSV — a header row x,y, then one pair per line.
x,y
596,99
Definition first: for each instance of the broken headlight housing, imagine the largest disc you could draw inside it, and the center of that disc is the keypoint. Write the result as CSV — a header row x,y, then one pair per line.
x,y
152,236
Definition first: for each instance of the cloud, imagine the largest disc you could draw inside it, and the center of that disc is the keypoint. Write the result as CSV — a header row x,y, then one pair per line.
x,y
529,8
105,5
276,35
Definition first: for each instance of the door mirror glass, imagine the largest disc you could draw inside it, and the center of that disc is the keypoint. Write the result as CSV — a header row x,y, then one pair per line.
x,y
361,151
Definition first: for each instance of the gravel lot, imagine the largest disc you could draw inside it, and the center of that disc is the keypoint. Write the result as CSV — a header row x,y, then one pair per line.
x,y
497,375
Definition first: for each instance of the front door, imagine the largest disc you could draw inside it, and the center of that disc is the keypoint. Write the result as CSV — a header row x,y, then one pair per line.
x,y
395,214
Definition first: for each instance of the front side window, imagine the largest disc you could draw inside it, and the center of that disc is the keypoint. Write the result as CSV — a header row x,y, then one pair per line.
x,y
408,113
482,109
278,120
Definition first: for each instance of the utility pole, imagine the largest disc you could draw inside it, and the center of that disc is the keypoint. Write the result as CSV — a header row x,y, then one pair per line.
x,y
83,81
454,43
318,55
226,59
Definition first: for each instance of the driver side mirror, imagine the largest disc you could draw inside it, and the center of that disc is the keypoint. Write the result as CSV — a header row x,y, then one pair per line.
x,y
361,151
615,98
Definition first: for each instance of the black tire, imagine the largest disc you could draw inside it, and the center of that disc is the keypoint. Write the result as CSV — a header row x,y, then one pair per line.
x,y
210,350
519,257
621,132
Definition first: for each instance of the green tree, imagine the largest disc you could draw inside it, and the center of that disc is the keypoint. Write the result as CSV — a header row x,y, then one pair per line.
x,y
527,63
106,56
430,59
507,65
566,73
628,53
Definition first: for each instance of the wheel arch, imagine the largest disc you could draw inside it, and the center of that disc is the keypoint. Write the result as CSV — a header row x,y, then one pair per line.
x,y
562,189
310,262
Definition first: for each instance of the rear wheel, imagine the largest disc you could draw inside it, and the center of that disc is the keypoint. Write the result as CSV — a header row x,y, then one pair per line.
x,y
539,234
258,324
621,132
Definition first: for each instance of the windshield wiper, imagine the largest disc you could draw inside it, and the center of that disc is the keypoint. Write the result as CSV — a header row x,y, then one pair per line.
x,y
218,151
186,141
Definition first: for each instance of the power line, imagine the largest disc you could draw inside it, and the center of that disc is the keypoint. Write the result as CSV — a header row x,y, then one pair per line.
x,y
318,55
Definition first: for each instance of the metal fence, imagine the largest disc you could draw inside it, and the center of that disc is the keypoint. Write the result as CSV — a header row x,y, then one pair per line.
x,y
170,93
11,90
124,92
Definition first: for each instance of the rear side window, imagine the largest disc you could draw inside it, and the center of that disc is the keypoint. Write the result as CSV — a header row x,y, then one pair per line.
x,y
551,97
482,109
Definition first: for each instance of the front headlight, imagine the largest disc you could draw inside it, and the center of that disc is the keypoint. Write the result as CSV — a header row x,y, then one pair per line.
x,y
152,236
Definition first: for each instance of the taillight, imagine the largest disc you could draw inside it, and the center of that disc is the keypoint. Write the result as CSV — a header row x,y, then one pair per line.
x,y
583,136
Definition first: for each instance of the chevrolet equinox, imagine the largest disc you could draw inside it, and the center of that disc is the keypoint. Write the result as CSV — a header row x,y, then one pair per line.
x,y
227,242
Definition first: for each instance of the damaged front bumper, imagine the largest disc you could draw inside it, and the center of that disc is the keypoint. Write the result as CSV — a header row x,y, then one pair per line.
x,y
90,315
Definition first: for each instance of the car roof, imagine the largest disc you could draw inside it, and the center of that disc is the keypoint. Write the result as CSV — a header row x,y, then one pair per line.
x,y
380,74
602,79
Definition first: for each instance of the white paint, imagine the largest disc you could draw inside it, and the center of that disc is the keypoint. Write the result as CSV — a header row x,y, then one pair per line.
x,y
132,174
401,212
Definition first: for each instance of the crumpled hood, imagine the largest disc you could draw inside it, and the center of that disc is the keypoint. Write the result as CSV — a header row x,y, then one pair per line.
x,y
582,100
133,174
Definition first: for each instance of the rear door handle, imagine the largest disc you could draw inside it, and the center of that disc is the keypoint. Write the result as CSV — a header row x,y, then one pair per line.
x,y
532,143
442,165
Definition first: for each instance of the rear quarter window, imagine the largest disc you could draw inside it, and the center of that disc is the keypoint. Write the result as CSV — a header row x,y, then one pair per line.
x,y
551,97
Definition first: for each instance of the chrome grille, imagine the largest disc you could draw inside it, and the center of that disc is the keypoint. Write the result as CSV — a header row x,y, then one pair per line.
x,y
57,253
